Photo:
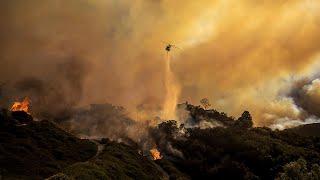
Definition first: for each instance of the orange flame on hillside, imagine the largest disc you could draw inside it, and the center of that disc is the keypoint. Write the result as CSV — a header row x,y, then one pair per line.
x,y
21,106
155,154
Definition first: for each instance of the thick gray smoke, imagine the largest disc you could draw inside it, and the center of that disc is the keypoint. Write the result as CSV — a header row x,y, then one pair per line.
x,y
303,104
306,94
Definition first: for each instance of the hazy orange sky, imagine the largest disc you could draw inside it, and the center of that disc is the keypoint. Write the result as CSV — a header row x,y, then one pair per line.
x,y
241,54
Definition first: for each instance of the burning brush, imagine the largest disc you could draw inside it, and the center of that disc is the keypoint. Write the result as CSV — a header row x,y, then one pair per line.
x,y
155,154
21,106
20,111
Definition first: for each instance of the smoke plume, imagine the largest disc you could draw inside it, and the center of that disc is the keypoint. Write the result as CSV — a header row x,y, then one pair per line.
x,y
299,105
240,54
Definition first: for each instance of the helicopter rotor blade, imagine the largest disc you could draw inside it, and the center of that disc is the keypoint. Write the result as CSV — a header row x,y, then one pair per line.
x,y
176,47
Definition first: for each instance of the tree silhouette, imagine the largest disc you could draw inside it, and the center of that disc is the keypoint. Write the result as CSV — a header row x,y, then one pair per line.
x,y
245,121
205,103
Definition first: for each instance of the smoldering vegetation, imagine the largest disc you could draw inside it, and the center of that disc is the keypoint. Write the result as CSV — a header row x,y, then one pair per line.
x,y
105,120
240,153
232,149
228,148
42,150
109,121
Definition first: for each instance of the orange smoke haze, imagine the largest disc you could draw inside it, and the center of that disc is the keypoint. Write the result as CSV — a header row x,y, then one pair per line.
x,y
241,54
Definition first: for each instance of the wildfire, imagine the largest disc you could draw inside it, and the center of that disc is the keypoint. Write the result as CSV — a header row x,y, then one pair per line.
x,y
21,106
155,154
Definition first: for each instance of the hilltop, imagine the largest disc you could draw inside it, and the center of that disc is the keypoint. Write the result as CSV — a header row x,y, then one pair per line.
x,y
233,149
40,149
307,130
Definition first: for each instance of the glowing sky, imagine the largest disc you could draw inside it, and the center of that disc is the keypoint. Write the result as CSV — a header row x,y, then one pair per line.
x,y
241,54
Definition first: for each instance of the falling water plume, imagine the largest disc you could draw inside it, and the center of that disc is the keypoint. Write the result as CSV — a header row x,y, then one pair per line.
x,y
172,92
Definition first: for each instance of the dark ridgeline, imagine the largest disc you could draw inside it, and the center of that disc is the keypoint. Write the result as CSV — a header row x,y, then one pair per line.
x,y
236,150
37,149
233,150
40,149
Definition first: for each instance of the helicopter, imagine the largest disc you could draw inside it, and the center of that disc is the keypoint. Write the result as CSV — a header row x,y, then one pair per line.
x,y
170,46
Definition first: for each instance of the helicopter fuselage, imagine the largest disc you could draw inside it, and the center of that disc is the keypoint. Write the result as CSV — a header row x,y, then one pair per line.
x,y
168,47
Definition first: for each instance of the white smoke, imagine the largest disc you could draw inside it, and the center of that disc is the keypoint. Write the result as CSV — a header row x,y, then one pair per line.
x,y
285,123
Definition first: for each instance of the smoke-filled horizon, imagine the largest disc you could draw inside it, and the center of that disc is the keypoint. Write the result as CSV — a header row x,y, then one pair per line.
x,y
240,54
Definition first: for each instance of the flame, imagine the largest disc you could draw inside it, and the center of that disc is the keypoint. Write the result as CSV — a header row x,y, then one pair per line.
x,y
155,154
21,106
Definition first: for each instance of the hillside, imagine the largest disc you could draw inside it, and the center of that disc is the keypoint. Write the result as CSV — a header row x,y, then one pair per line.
x,y
307,130
116,161
237,150
233,150
226,153
37,150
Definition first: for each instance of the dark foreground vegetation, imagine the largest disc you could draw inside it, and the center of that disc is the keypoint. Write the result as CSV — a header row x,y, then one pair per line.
x,y
232,153
231,150
37,149
236,150
116,161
